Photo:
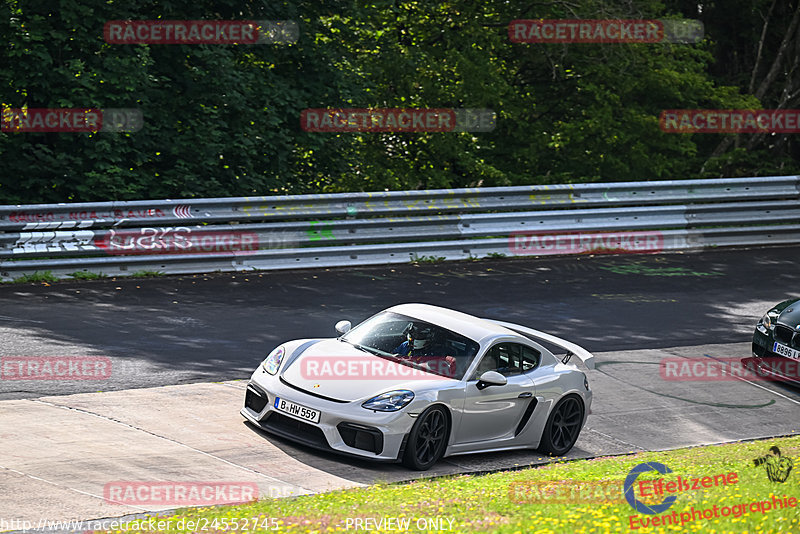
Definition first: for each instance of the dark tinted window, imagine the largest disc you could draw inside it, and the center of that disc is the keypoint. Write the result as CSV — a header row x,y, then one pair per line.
x,y
508,359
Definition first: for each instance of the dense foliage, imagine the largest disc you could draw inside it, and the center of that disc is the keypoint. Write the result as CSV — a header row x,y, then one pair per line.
x,y
223,120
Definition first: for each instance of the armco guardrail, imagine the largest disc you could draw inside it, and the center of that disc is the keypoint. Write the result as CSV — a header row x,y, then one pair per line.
x,y
234,234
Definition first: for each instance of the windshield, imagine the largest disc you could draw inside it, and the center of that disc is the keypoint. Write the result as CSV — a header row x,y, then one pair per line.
x,y
417,343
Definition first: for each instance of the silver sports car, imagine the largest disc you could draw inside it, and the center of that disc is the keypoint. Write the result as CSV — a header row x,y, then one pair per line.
x,y
415,383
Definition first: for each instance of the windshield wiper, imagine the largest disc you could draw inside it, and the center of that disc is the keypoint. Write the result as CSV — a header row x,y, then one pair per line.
x,y
368,350
375,352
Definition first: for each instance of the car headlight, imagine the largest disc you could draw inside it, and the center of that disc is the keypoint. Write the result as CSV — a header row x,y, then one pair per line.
x,y
767,321
389,402
273,361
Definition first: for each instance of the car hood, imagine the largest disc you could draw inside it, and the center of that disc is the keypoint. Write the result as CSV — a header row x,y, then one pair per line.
x,y
339,371
791,316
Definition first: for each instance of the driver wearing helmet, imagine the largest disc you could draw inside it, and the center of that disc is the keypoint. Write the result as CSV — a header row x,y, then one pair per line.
x,y
420,347
417,343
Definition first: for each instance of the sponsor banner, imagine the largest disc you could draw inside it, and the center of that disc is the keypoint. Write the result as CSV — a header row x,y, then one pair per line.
x,y
86,216
616,31
707,369
376,368
566,492
730,121
55,368
541,243
182,240
201,31
72,120
179,493
343,120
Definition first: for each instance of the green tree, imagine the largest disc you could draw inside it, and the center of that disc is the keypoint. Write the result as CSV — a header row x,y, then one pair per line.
x,y
218,119
223,120
755,45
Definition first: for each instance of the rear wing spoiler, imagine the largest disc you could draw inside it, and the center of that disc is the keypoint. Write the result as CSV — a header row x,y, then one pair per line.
x,y
571,348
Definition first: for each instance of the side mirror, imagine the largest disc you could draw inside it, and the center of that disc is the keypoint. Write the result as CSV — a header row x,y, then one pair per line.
x,y
491,378
343,327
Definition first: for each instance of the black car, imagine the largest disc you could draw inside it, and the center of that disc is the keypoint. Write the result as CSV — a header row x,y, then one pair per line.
x,y
776,340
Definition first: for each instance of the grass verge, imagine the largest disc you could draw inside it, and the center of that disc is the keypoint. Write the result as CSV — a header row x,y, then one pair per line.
x,y
86,275
36,277
583,496
146,274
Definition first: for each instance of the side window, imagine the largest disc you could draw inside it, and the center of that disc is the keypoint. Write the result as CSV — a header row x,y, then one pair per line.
x,y
530,359
508,359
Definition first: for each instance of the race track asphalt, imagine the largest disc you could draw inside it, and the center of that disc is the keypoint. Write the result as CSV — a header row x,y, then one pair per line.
x,y
168,337
175,330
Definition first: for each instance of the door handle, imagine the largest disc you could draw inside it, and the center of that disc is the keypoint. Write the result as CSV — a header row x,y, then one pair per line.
x,y
525,395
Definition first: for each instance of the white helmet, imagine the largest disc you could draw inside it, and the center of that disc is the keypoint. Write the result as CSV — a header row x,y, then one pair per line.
x,y
419,336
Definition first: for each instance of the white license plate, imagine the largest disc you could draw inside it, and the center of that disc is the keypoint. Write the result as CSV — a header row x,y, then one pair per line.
x,y
783,350
282,405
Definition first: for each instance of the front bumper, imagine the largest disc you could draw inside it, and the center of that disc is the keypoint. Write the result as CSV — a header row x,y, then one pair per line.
x,y
763,343
344,427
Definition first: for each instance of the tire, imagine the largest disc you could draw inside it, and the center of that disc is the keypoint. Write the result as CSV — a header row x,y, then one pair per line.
x,y
427,440
563,426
